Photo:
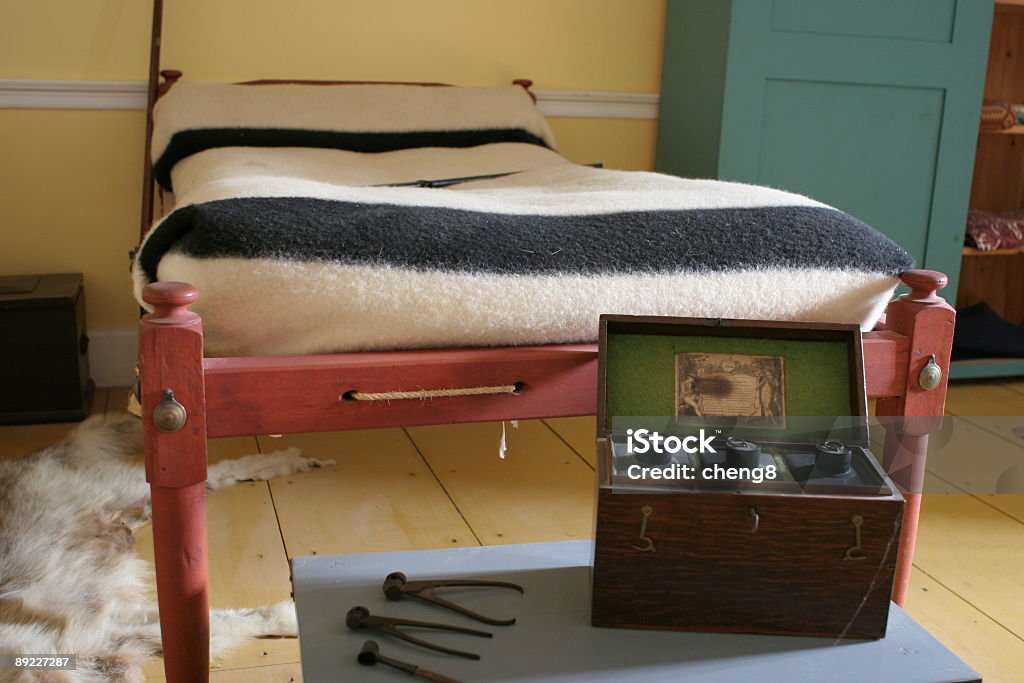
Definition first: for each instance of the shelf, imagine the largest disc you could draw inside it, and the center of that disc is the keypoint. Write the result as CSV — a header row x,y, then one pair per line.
x,y
986,367
1009,251
1012,130
1010,5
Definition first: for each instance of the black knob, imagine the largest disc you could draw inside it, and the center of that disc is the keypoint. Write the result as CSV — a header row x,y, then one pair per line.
x,y
708,460
833,458
741,453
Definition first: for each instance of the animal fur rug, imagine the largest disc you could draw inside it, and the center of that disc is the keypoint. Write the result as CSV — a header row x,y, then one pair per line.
x,y
70,581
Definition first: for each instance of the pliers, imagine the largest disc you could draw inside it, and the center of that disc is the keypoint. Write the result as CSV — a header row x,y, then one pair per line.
x,y
360,618
396,586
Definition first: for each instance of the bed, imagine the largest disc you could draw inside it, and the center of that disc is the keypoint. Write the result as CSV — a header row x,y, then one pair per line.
x,y
431,265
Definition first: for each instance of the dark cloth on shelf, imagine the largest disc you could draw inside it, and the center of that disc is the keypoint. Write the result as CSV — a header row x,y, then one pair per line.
x,y
983,333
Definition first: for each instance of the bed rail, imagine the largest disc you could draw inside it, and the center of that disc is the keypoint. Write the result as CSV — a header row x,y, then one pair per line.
x,y
285,394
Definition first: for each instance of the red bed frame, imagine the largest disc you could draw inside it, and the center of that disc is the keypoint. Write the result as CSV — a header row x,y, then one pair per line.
x,y
284,394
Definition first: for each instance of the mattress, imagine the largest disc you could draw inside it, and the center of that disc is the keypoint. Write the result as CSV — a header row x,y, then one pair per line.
x,y
299,250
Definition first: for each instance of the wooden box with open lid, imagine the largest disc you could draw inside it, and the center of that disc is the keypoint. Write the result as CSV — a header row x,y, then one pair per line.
x,y
780,522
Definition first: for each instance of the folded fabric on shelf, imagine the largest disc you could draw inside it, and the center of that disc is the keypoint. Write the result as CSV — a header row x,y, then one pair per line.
x,y
990,230
996,115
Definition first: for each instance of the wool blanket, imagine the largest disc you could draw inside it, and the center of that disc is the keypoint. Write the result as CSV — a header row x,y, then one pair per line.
x,y
320,249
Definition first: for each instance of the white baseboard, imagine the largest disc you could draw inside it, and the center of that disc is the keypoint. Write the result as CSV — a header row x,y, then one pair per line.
x,y
52,94
47,94
597,105
112,355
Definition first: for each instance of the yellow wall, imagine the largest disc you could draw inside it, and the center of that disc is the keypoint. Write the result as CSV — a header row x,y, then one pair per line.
x,y
71,179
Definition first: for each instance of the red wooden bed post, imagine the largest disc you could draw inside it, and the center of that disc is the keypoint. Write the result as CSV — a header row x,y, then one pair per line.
x,y
927,320
174,420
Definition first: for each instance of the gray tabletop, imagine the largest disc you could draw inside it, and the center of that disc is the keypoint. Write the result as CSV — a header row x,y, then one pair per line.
x,y
553,640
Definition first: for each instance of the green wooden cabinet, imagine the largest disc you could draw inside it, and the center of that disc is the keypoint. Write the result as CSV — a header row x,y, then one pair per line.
x,y
869,105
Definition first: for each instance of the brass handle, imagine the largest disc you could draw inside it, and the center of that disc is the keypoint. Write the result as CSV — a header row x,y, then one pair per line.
x,y
855,551
931,375
646,542
169,415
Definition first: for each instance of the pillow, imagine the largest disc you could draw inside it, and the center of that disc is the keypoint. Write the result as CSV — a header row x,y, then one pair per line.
x,y
193,117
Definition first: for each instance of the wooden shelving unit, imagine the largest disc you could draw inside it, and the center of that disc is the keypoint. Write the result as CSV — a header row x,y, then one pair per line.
x,y
997,277
1012,130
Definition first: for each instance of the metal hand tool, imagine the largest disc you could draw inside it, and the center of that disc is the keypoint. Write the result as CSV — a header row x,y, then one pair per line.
x,y
370,655
360,618
396,586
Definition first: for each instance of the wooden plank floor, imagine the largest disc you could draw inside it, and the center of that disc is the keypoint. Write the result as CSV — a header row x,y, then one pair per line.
x,y
432,487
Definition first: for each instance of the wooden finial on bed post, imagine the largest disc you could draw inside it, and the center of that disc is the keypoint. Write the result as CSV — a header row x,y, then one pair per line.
x,y
924,284
526,84
927,321
170,77
170,301
173,393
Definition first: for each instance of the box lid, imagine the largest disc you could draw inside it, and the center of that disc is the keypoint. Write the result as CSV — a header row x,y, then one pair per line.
x,y
39,291
760,380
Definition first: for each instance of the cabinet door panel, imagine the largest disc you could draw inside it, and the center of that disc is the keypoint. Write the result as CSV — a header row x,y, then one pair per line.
x,y
828,139
930,20
900,115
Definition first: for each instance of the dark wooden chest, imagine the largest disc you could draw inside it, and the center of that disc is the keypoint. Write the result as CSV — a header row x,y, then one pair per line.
x,y
811,551
44,366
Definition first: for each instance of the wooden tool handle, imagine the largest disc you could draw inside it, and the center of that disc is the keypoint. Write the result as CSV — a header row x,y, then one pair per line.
x,y
431,676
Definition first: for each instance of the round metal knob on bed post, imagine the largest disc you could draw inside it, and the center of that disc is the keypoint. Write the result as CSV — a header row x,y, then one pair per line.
x,y
169,415
931,375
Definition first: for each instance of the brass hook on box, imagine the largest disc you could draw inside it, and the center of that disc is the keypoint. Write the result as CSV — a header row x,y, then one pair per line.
x,y
648,542
855,552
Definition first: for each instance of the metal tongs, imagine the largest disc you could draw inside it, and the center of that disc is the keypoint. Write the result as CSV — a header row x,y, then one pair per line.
x,y
396,586
360,618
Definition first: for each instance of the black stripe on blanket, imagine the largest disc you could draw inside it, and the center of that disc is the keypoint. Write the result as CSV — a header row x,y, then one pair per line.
x,y
187,142
445,239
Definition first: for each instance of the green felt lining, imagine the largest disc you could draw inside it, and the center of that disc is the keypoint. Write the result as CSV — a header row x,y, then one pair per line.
x,y
640,373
